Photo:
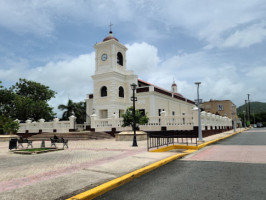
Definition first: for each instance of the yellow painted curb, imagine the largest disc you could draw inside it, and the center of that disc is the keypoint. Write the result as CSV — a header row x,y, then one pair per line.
x,y
97,191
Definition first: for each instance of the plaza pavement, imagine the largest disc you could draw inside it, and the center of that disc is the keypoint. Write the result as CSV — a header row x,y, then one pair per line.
x,y
83,166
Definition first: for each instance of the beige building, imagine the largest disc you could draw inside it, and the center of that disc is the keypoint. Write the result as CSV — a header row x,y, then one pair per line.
x,y
220,107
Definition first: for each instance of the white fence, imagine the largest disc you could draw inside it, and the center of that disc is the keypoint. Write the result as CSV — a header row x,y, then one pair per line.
x,y
54,126
177,122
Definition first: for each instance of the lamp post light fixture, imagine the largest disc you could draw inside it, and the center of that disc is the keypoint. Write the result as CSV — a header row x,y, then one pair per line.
x,y
199,119
133,98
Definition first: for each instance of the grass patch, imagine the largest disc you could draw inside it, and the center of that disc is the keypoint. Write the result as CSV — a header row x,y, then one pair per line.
x,y
35,149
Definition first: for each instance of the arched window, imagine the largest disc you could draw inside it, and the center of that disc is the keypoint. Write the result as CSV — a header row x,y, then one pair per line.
x,y
104,91
121,91
120,58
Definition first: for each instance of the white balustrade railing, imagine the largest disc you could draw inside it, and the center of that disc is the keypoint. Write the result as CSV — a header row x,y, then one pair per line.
x,y
176,122
41,125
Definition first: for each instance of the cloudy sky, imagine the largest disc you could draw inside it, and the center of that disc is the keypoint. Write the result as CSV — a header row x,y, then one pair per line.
x,y
220,43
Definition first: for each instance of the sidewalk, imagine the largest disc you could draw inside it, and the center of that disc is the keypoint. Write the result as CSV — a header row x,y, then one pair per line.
x,y
85,165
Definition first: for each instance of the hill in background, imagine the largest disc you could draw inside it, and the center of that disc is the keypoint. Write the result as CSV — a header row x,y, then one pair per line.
x,y
256,107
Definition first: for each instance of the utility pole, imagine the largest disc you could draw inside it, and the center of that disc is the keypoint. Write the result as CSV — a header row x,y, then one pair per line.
x,y
248,120
244,119
249,109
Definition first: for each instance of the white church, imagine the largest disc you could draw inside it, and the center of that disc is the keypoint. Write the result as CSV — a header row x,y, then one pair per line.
x,y
166,109
112,95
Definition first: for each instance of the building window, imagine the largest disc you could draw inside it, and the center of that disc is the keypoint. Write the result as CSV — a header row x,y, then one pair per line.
x,y
120,58
142,111
173,113
220,107
121,91
104,91
159,112
121,112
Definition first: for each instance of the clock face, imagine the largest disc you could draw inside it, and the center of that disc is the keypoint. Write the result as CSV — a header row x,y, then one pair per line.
x,y
104,57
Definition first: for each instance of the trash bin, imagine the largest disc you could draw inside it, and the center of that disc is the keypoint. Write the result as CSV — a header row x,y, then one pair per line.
x,y
13,144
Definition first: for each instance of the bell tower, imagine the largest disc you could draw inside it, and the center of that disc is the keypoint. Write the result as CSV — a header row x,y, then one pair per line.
x,y
111,80
110,55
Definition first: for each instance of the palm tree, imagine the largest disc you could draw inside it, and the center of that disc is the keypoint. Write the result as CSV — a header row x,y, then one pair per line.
x,y
70,107
79,110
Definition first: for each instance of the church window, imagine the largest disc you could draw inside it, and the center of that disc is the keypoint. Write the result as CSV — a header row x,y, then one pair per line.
x,y
120,58
104,91
121,91
142,111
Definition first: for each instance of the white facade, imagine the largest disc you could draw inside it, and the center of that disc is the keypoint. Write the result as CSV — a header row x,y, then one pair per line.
x,y
112,94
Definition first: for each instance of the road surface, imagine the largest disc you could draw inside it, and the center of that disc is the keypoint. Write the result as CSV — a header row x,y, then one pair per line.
x,y
234,168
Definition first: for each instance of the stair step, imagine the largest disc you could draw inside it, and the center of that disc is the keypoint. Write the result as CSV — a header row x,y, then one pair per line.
x,y
72,136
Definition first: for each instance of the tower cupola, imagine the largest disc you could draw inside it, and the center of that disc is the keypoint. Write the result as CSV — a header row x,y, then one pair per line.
x,y
174,87
110,37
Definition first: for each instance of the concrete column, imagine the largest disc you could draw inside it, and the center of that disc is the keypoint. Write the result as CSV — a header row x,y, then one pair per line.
x,y
28,124
114,125
93,118
163,123
72,120
41,122
56,120
195,116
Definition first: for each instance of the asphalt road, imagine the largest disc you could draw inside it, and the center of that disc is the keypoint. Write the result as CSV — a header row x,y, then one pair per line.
x,y
231,169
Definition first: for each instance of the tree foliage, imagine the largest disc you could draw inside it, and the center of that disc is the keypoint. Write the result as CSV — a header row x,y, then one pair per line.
x,y
140,118
8,125
26,100
255,107
257,112
78,109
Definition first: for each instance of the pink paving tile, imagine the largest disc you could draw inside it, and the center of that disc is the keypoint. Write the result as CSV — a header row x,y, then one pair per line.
x,y
29,180
232,153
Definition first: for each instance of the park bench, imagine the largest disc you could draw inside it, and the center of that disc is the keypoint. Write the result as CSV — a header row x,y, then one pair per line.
x,y
59,140
22,140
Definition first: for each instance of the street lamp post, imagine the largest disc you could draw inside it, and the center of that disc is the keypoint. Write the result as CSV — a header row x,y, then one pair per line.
x,y
199,119
248,114
244,118
133,87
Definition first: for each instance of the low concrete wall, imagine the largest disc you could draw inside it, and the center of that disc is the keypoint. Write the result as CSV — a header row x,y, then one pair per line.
x,y
128,136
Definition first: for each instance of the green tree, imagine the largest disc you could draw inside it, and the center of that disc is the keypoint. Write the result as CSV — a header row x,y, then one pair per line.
x,y
140,118
79,110
8,125
33,90
27,100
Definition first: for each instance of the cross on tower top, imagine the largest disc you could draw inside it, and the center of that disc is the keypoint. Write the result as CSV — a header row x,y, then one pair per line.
x,y
110,28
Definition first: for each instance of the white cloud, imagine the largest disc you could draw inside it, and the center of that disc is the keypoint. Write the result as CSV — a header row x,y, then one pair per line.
x,y
220,80
209,21
247,37
24,17
69,78
142,57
